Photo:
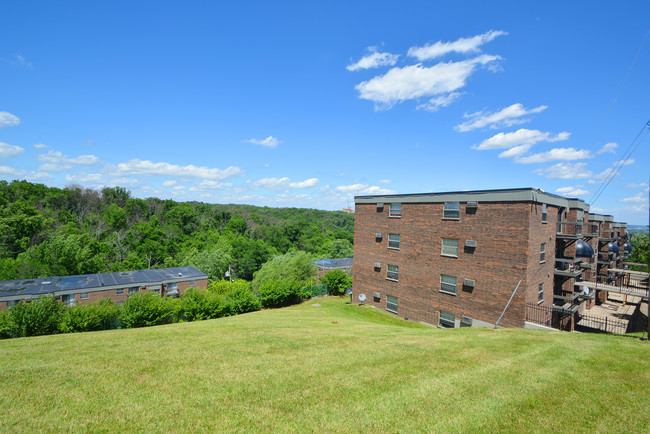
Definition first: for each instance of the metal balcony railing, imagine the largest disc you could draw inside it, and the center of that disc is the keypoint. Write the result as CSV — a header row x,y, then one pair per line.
x,y
570,229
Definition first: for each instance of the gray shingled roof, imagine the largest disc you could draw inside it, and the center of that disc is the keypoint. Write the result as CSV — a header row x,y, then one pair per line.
x,y
29,288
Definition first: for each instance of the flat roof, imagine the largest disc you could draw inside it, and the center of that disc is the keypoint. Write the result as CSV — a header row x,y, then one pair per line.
x,y
504,195
334,263
31,288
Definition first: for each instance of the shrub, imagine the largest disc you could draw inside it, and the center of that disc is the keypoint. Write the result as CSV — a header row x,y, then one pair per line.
x,y
39,317
239,298
194,305
145,309
296,266
276,293
7,326
102,315
337,281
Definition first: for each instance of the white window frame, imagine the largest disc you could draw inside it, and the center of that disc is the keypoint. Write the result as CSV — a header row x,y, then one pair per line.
x,y
395,242
172,286
392,274
540,294
68,299
544,214
395,210
445,321
390,304
448,287
84,295
445,249
542,253
451,211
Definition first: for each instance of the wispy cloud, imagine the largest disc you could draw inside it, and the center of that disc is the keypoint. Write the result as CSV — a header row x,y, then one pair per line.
x,y
18,60
363,189
269,142
565,171
55,161
572,191
148,168
640,197
434,104
8,120
608,147
556,154
506,117
639,185
8,151
462,45
276,183
40,146
373,59
522,136
416,81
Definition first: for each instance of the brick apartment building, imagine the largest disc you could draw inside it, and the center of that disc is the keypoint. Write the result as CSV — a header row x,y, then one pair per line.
x,y
88,288
454,259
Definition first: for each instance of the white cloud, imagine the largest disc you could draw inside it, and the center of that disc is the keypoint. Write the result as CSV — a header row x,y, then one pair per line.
x,y
8,151
56,161
6,170
556,154
417,81
384,181
602,176
522,136
20,60
462,45
565,171
8,120
608,147
440,101
211,185
169,183
269,142
85,178
148,168
276,183
506,117
623,162
373,59
572,191
639,185
363,189
515,152
640,197
40,146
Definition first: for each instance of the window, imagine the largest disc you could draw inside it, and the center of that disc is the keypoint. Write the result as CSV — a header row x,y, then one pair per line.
x,y
68,299
172,286
447,320
542,252
540,293
119,291
391,304
84,296
393,241
192,282
448,284
451,210
395,210
449,247
11,303
393,272
544,213
134,289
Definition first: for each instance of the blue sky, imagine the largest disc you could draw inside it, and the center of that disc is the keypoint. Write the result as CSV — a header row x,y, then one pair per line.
x,y
308,104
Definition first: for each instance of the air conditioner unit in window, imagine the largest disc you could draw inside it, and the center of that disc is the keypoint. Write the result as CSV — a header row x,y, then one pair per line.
x,y
469,283
377,295
379,235
470,243
377,265
380,205
472,204
466,320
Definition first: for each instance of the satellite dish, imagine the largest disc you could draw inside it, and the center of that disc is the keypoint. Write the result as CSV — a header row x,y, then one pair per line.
x,y
348,291
362,297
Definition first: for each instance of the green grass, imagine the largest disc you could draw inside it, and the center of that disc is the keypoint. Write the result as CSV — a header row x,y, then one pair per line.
x,y
336,367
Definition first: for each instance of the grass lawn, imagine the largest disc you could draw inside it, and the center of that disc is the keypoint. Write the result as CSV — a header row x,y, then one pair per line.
x,y
335,367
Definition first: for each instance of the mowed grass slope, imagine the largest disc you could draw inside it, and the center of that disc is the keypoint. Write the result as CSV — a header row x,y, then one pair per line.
x,y
336,367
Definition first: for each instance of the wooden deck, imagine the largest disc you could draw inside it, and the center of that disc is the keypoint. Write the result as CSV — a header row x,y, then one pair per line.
x,y
637,291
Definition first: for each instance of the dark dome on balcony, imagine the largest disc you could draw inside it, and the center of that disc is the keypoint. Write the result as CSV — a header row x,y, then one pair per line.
x,y
627,247
584,250
612,247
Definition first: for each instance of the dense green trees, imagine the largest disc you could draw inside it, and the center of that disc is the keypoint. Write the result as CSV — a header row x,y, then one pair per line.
x,y
48,231
640,252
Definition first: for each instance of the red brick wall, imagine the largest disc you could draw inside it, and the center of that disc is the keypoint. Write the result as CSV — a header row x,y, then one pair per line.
x,y
496,264
199,283
536,273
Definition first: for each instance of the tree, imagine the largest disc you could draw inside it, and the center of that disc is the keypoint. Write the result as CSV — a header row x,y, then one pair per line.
x,y
639,242
295,266
337,281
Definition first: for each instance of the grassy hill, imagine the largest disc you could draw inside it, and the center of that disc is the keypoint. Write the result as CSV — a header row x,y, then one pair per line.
x,y
333,367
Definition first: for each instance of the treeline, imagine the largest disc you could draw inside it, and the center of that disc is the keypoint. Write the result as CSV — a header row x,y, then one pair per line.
x,y
48,231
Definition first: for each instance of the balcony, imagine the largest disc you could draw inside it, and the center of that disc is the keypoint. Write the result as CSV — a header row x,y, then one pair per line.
x,y
569,230
606,235
567,267
590,230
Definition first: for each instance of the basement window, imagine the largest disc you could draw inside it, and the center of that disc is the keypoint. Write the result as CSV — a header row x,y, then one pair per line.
x,y
447,320
391,304
451,211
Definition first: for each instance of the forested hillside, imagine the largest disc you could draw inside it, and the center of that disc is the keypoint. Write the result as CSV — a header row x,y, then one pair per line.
x,y
47,231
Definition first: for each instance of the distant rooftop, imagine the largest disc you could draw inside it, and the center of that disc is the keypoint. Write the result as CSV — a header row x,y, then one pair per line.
x,y
334,263
92,282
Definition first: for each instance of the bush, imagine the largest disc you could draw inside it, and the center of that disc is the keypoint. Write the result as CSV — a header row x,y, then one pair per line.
x,y
144,309
276,293
296,266
103,315
7,326
239,298
194,305
337,281
39,317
